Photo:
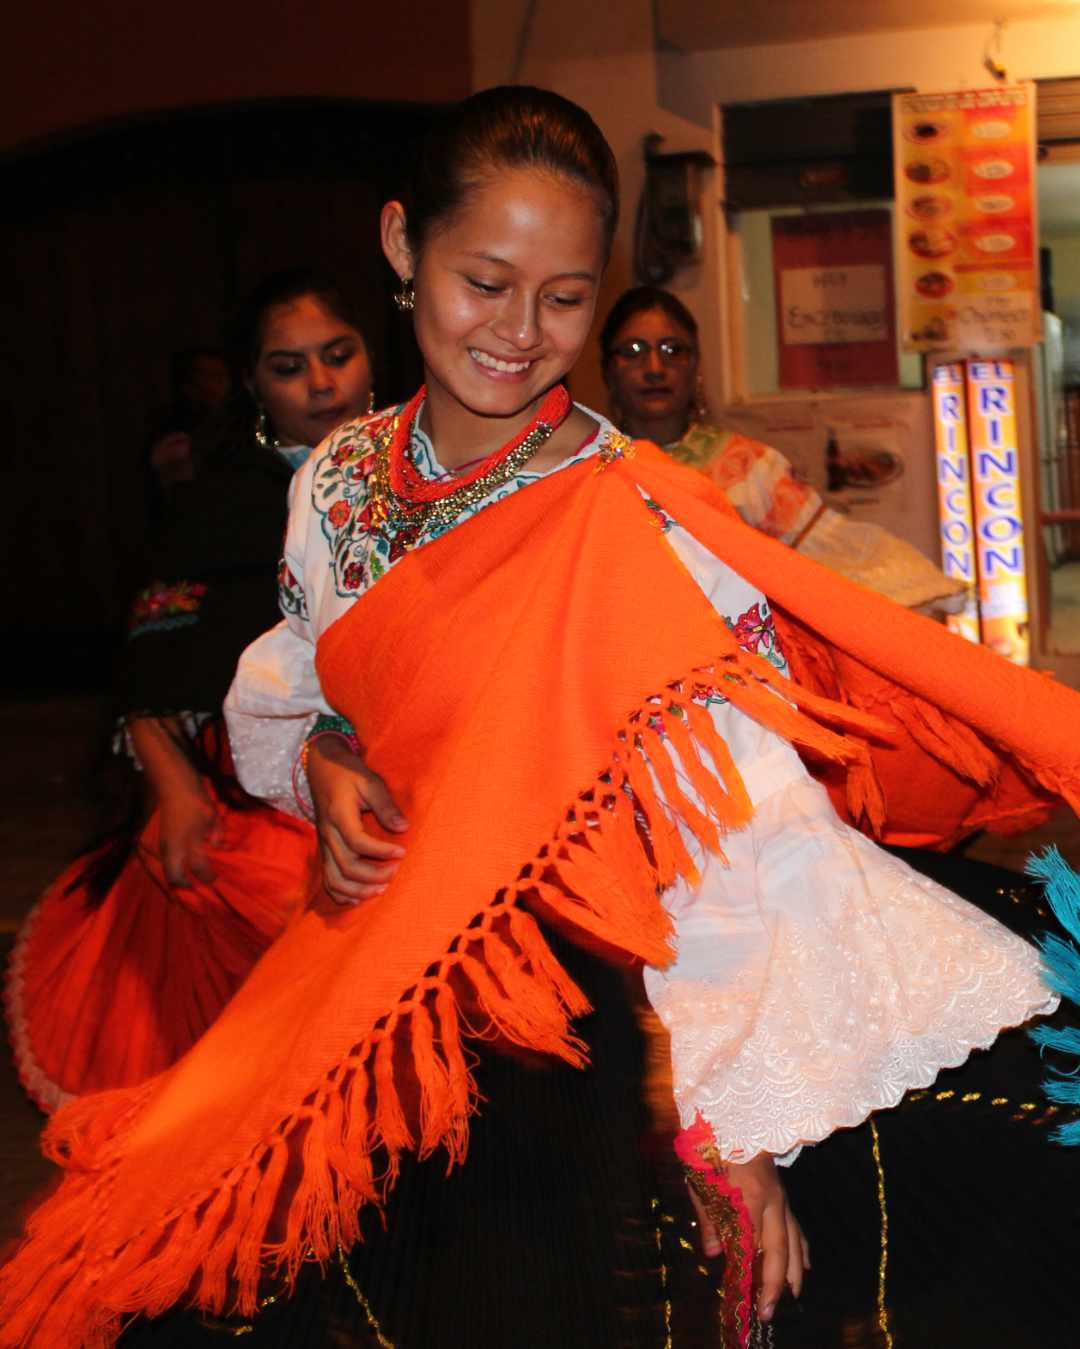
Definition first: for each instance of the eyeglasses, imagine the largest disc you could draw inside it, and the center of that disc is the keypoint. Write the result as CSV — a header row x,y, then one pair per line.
x,y
670,350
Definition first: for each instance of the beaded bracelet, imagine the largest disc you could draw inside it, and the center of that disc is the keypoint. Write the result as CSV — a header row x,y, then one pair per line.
x,y
330,721
325,724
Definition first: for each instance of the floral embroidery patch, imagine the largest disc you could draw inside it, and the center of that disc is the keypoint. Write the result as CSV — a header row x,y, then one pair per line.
x,y
755,631
340,494
736,460
161,608
291,597
665,522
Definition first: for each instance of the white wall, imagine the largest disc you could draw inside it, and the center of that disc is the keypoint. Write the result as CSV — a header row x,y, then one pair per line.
x,y
925,58
1066,272
601,57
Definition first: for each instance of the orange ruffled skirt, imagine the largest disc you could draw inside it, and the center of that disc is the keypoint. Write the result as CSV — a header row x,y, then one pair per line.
x,y
106,992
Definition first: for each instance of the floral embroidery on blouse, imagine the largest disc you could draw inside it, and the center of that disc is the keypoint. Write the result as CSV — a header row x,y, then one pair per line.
x,y
759,482
161,607
698,446
755,632
291,597
340,494
662,519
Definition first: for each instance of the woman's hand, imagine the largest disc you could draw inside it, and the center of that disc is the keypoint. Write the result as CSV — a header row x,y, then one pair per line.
x,y
777,1234
187,819
188,822
356,864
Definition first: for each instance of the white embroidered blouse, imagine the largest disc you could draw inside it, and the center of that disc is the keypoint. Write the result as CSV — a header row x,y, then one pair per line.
x,y
818,978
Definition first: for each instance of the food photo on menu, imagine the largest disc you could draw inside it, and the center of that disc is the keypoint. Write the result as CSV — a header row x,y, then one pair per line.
x,y
964,189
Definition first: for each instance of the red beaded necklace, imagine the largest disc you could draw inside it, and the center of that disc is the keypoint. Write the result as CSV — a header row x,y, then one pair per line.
x,y
402,498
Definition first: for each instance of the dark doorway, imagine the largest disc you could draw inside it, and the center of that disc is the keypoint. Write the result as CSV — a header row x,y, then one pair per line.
x,y
131,243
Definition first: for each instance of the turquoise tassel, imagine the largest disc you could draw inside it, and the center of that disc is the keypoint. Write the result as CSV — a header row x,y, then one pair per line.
x,y
1061,965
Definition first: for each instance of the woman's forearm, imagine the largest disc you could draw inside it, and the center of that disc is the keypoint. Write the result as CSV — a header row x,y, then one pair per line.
x,y
157,742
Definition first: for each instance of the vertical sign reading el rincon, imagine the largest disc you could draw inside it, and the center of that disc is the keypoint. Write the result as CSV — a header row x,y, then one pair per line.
x,y
967,238
955,513
999,526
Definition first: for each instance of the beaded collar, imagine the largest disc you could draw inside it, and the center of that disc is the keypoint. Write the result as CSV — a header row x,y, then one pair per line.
x,y
402,499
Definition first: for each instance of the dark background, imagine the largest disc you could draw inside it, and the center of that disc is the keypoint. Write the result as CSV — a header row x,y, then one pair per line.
x,y
157,162
127,245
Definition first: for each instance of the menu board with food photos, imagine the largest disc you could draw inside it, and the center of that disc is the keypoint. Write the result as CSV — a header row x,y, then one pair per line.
x,y
967,274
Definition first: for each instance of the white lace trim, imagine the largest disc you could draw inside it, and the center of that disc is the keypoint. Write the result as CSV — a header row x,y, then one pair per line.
x,y
842,1000
814,1046
41,1089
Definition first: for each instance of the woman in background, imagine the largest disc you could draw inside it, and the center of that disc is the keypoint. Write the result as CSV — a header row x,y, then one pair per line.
x,y
651,357
133,951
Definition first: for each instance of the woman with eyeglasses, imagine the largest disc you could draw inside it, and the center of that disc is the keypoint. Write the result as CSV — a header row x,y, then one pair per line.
x,y
651,364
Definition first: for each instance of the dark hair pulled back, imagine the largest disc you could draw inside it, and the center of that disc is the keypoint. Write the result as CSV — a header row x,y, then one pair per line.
x,y
232,431
640,300
508,127
245,330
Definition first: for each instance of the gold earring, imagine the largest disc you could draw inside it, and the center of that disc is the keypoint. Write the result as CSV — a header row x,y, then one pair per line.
x,y
405,299
371,402
264,437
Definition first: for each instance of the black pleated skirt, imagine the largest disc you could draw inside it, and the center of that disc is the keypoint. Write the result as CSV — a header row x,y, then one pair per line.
x,y
983,1208
567,1227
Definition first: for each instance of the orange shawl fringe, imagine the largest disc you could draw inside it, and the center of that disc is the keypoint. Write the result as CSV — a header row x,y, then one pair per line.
x,y
526,685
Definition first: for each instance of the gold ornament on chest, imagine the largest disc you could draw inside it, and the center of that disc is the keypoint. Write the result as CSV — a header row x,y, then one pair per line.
x,y
402,501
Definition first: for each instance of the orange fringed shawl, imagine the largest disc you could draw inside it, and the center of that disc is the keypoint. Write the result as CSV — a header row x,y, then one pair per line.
x,y
519,683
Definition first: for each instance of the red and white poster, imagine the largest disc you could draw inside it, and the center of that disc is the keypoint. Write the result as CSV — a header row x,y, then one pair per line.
x,y
967,237
835,316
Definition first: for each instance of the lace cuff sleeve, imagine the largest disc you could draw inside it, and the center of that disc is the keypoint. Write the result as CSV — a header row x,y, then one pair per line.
x,y
271,708
275,696
819,979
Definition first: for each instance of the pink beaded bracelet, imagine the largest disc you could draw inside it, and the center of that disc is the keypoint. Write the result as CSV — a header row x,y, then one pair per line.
x,y
300,767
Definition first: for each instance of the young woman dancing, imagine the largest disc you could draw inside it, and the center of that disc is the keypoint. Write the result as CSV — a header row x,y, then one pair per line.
x,y
565,762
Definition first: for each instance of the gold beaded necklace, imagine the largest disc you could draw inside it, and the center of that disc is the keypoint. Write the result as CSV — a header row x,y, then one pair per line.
x,y
402,500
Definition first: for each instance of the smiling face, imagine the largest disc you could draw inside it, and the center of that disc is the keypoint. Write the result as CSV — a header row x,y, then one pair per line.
x,y
312,373
505,291
652,374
